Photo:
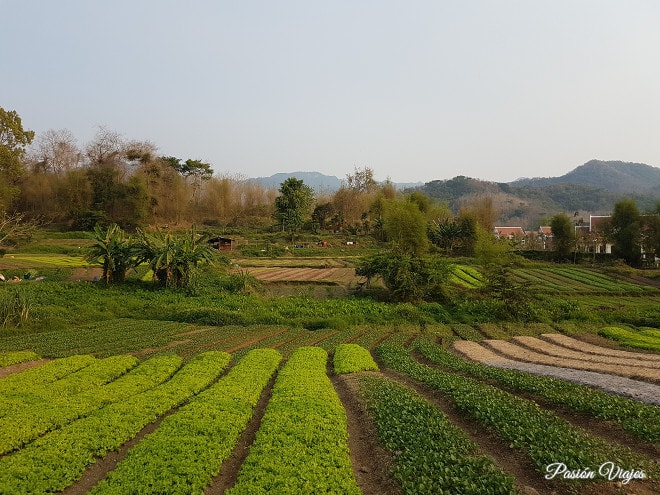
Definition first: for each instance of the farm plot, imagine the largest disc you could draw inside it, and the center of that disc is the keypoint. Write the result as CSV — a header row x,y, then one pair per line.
x,y
575,279
538,433
27,261
644,370
334,276
300,446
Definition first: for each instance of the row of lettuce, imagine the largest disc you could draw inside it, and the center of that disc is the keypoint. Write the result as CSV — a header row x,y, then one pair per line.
x,y
302,442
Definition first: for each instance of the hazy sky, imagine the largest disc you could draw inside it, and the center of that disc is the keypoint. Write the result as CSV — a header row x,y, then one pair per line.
x,y
415,90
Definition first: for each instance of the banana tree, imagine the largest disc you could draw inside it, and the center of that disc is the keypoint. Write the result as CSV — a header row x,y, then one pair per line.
x,y
114,250
174,258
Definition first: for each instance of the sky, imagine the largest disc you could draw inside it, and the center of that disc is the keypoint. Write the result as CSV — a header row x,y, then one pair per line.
x,y
416,90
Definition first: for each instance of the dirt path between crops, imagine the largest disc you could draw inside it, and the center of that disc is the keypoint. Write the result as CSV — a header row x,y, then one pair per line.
x,y
228,474
16,368
371,462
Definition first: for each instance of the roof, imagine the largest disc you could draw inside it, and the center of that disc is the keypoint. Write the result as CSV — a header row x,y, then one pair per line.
x,y
509,232
545,229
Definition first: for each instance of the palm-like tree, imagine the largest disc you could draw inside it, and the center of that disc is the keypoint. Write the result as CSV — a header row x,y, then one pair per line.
x,y
114,250
173,259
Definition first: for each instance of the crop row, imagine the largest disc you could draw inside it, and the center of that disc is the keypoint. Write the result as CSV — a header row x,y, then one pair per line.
x,y
58,459
466,276
99,372
47,373
599,280
188,448
541,434
467,332
431,455
302,443
350,358
640,419
28,422
642,339
17,357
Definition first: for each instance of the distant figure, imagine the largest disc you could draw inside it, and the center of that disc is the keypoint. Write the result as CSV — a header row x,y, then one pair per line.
x,y
40,278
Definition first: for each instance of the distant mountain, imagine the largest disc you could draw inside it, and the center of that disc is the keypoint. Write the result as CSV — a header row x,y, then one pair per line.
x,y
321,183
316,180
613,176
592,188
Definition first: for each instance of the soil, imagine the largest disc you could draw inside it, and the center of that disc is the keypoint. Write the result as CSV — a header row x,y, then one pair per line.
x,y
15,368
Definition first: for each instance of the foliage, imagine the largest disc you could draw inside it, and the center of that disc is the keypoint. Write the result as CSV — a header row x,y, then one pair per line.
x,y
626,231
47,373
115,251
15,308
640,419
540,433
294,204
404,225
349,358
563,234
305,424
643,339
408,277
431,454
13,141
17,357
38,409
514,298
15,228
174,259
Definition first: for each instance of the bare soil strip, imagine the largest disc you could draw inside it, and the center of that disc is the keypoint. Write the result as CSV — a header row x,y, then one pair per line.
x,y
579,345
228,474
371,462
635,389
544,347
17,368
517,353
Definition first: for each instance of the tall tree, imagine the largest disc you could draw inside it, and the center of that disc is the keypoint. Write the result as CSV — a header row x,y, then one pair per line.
x,y
13,142
294,204
405,227
563,234
626,231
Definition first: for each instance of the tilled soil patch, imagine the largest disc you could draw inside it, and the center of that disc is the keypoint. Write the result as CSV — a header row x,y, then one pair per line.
x,y
636,389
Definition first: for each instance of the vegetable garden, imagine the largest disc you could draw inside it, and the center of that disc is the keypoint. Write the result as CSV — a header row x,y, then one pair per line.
x,y
61,417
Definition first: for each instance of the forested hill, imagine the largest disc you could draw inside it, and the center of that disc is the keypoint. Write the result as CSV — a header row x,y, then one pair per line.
x,y
614,176
592,188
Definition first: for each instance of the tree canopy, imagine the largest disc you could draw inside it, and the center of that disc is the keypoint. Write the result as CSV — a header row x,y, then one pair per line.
x,y
13,142
294,204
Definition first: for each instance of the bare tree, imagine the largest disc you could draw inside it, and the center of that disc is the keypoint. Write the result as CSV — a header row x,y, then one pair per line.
x,y
55,151
14,228
106,147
